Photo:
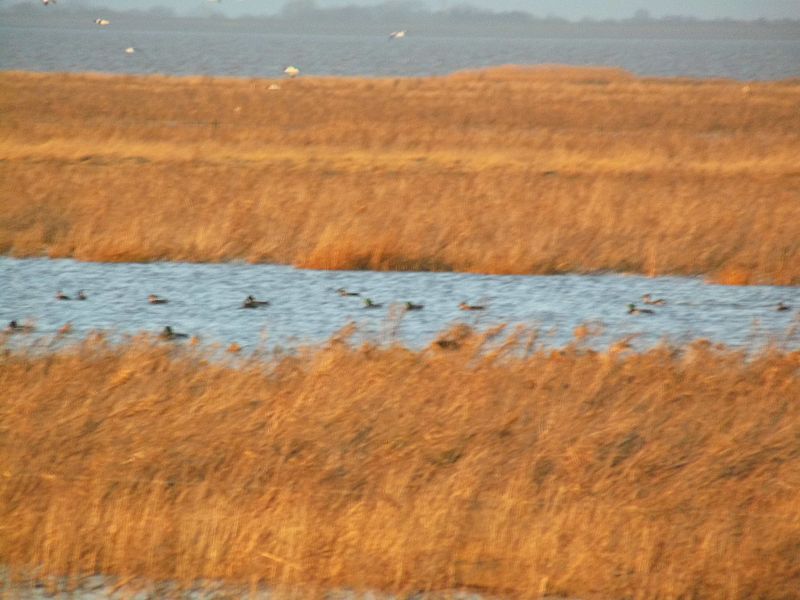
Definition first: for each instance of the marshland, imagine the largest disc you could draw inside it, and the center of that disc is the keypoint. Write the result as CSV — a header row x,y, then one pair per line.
x,y
490,465
512,170
553,443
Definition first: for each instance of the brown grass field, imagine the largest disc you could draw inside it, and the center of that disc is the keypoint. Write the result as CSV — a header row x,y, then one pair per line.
x,y
498,467
508,170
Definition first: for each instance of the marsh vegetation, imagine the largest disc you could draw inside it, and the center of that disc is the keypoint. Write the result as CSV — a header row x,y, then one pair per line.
x,y
486,462
499,171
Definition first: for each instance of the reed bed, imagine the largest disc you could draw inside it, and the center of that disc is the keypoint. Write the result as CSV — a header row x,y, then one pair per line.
x,y
485,463
508,170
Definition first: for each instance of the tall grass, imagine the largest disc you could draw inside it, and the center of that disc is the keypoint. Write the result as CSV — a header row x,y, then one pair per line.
x,y
502,171
669,474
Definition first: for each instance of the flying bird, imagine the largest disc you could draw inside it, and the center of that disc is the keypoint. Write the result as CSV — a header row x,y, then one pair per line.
x,y
292,71
396,35
102,22
48,2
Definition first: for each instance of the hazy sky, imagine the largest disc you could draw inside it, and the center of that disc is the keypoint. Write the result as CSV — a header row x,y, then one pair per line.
x,y
572,9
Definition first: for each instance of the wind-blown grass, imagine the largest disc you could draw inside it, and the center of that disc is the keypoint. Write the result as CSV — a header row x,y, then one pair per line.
x,y
501,171
668,474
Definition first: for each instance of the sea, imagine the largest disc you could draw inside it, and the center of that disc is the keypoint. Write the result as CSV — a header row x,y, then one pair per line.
x,y
229,48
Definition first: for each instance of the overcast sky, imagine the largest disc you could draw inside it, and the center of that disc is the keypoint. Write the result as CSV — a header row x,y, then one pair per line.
x,y
571,9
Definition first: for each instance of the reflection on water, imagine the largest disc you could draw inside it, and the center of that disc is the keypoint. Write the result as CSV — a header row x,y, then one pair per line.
x,y
205,300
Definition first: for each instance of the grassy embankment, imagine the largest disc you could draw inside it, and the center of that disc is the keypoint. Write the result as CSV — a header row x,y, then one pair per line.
x,y
667,474
504,171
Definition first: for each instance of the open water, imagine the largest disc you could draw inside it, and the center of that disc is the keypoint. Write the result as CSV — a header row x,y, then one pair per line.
x,y
253,54
205,300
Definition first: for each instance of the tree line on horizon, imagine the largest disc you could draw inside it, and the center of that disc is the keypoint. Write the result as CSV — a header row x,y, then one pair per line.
x,y
396,9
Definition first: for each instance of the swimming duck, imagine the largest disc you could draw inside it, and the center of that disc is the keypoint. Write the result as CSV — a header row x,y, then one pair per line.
x,y
81,295
465,306
632,310
368,303
61,296
15,327
251,302
782,307
168,334
648,299
153,299
344,292
412,306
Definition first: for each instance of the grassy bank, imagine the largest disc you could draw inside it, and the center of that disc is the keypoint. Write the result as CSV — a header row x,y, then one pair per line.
x,y
668,474
503,171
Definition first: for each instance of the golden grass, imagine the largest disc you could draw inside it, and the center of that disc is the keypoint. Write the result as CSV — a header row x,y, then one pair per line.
x,y
504,171
668,474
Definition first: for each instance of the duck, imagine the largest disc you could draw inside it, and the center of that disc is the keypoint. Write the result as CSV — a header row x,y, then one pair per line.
x,y
251,302
412,306
168,334
782,307
465,306
648,299
62,296
15,327
153,299
344,292
81,295
632,310
368,303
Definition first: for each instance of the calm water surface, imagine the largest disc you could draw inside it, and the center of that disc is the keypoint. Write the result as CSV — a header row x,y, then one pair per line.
x,y
249,54
205,299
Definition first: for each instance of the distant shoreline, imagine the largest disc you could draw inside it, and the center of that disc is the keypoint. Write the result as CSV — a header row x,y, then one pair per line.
x,y
366,20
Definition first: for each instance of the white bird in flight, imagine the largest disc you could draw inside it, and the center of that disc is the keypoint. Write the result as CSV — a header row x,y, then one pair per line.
x,y
396,35
102,22
48,2
291,71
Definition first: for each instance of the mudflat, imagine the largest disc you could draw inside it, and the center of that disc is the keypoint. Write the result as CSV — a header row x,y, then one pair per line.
x,y
507,170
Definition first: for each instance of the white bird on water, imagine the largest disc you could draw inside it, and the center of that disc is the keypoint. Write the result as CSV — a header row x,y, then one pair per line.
x,y
292,71
396,35
102,22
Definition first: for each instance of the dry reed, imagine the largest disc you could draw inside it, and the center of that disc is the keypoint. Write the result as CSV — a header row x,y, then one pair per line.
x,y
503,171
667,474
